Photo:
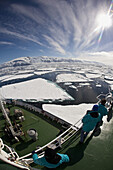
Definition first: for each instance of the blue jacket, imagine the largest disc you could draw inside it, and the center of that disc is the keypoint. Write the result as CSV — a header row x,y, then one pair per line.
x,y
89,122
42,161
102,110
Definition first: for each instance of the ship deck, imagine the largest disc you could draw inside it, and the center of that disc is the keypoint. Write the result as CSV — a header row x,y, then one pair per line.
x,y
95,153
47,130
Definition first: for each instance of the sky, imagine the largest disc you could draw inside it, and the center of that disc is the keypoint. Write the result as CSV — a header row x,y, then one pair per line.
x,y
57,28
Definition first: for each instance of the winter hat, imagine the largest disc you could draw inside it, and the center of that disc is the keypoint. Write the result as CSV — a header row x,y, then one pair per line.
x,y
50,153
51,156
95,108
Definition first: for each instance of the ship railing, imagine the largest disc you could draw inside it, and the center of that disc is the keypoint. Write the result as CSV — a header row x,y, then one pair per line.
x,y
10,151
27,106
58,141
8,120
66,135
72,130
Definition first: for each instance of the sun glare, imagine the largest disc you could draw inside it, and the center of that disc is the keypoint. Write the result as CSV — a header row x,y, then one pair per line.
x,y
104,20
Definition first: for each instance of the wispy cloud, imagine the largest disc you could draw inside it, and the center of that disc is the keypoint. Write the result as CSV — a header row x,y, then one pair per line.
x,y
6,43
20,36
76,20
54,44
33,13
67,27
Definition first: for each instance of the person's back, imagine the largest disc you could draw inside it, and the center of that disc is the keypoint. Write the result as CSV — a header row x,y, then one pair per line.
x,y
90,120
102,109
50,159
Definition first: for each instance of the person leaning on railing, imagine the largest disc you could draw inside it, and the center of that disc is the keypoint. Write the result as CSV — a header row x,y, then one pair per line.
x,y
102,109
89,121
51,159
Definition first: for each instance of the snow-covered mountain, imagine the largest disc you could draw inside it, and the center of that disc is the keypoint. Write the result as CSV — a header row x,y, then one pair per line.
x,y
22,61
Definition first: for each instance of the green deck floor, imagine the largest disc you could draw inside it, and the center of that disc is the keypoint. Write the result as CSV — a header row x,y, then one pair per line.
x,y
95,153
46,132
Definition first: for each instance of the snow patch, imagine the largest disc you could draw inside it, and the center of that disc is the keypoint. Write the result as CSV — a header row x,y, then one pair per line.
x,y
70,113
39,89
71,78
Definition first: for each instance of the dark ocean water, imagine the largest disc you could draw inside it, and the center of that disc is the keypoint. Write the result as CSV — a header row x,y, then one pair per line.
x,y
86,93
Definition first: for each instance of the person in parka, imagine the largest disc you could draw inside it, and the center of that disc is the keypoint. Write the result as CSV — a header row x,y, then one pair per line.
x,y
89,121
102,109
51,159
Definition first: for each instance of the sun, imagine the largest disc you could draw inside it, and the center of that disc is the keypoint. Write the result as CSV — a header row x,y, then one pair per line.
x,y
104,20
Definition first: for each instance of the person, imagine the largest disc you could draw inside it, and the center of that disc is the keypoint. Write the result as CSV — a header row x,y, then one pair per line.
x,y
102,109
89,121
51,159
